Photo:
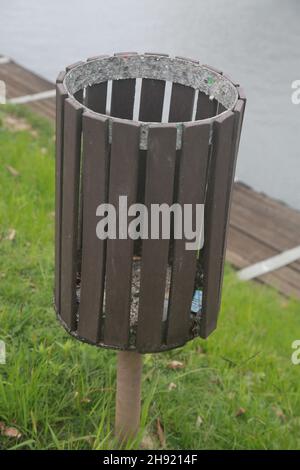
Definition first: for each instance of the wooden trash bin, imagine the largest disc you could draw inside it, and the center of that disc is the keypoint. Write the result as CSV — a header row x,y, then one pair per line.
x,y
158,130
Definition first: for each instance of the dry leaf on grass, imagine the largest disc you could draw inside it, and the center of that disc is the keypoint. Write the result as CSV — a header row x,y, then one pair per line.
x,y
172,386
199,421
240,412
175,365
85,400
11,234
280,414
12,170
12,432
9,431
160,433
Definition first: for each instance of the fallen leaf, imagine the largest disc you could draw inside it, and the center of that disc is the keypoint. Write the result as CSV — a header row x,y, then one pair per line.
x,y
85,400
240,412
160,433
199,421
175,365
12,170
280,414
172,386
11,234
11,432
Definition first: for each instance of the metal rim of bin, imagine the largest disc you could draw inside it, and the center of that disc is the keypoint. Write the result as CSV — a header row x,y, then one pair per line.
x,y
205,104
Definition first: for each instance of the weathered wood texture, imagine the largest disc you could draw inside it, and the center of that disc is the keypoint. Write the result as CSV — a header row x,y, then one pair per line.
x,y
61,95
260,227
70,210
191,190
95,186
21,81
161,157
122,182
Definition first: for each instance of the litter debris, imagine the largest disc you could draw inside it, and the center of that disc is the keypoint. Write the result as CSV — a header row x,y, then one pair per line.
x,y
197,302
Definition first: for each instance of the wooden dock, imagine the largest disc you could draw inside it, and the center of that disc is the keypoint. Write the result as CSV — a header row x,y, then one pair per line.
x,y
260,227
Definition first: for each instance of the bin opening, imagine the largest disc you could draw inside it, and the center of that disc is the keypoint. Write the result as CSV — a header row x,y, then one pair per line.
x,y
147,88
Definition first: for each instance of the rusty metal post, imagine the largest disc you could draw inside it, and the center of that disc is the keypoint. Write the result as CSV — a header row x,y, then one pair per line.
x,y
128,397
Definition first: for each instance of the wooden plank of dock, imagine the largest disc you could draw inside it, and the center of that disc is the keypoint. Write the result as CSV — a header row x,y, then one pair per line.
x,y
260,227
21,81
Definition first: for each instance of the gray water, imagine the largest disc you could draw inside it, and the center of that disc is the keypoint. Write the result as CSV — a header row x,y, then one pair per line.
x,y
257,42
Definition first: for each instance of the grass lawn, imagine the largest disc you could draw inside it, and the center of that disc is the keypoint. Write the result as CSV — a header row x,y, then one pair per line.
x,y
237,390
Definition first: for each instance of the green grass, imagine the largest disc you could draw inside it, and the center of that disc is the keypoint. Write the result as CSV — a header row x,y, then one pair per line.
x,y
59,393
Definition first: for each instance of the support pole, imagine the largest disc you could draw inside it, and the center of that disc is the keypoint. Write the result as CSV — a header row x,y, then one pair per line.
x,y
128,399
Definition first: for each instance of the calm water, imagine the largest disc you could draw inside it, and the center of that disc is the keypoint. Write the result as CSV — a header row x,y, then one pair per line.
x,y
255,41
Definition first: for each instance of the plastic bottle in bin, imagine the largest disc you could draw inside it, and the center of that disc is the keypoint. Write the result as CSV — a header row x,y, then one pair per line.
x,y
197,302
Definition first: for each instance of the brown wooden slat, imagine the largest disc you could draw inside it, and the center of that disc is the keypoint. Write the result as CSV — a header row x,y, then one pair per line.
x,y
152,100
241,93
206,108
122,98
191,190
215,215
285,279
271,225
239,110
151,108
96,97
61,95
94,171
260,207
267,230
159,189
61,76
272,207
122,182
25,77
182,103
71,170
255,252
22,85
